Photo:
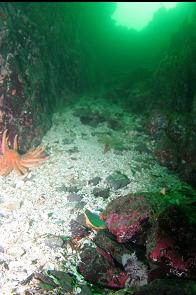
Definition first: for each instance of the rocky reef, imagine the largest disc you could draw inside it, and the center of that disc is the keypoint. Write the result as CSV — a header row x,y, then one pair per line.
x,y
166,94
139,248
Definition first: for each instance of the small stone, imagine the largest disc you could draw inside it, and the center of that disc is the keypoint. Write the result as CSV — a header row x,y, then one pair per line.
x,y
101,192
92,121
117,180
65,280
114,124
74,197
68,189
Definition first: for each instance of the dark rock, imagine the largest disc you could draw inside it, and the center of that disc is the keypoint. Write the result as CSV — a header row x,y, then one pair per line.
x,y
98,267
20,113
157,124
172,243
95,180
175,142
78,230
92,119
68,189
65,280
125,256
109,245
73,158
101,192
74,197
117,180
114,124
166,152
128,217
46,279
89,120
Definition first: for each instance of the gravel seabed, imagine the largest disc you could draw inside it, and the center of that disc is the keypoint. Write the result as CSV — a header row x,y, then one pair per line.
x,y
34,206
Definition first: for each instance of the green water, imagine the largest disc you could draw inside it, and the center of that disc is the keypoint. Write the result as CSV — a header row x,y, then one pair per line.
x,y
111,90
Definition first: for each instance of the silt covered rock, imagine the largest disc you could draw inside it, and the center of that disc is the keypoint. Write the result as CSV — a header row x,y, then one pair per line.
x,y
127,217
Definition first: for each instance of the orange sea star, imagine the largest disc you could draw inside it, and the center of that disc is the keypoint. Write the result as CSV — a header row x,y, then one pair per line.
x,y
12,160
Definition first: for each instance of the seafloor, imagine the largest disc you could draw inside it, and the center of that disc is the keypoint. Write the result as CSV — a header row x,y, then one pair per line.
x,y
36,209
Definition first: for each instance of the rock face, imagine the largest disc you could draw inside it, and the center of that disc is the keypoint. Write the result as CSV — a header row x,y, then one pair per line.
x,y
98,267
172,121
32,67
137,249
106,242
174,244
175,137
21,112
111,264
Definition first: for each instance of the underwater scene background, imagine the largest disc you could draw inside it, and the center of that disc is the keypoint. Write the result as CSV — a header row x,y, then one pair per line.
x,y
97,148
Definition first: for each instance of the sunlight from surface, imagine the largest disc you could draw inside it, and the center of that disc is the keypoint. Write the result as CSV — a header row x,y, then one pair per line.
x,y
137,15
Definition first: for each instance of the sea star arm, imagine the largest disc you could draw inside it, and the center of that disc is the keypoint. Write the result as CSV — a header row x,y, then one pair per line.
x,y
32,162
5,167
16,143
33,157
19,168
34,152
